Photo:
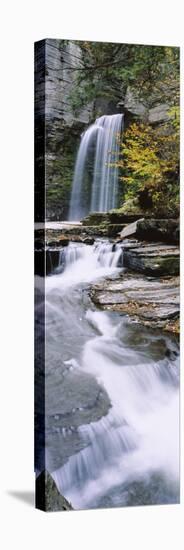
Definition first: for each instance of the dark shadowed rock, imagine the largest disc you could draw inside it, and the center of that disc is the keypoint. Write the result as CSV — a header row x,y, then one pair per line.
x,y
114,229
158,230
88,240
153,230
48,497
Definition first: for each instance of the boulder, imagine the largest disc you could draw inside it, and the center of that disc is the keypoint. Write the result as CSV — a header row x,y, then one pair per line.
x,y
153,230
159,114
130,229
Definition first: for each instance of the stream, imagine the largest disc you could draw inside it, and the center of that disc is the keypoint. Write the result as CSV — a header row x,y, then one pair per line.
x,y
127,454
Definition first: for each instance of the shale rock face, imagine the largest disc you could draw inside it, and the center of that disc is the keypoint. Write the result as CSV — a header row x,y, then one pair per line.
x,y
61,57
63,126
133,105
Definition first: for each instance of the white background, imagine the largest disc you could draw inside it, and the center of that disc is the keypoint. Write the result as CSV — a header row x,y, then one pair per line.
x,y
23,527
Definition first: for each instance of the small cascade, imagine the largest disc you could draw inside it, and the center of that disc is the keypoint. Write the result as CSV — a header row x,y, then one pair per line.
x,y
82,260
106,441
109,255
104,136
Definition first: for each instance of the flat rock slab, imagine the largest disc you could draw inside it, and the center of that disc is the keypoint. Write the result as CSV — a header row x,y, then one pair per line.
x,y
152,302
155,259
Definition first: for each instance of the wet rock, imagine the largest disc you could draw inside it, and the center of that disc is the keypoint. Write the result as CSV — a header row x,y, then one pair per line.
x,y
95,218
78,400
52,260
154,303
114,229
154,260
48,497
63,241
75,233
88,240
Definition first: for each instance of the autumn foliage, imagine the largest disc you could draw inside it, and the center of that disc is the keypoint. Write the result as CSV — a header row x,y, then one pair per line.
x,y
149,161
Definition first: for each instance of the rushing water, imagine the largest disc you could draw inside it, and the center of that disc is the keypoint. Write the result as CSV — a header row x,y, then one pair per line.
x,y
131,455
104,135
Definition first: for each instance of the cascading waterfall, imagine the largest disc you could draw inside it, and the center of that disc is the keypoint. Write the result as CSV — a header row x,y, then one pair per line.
x,y
76,211
104,134
134,448
105,181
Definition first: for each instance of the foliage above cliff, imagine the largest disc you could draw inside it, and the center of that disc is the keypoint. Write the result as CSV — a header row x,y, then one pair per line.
x,y
106,69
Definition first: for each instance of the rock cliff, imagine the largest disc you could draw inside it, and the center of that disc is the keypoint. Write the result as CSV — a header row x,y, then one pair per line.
x,y
63,127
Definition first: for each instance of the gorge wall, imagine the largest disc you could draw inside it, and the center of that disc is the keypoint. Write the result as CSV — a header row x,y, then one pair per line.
x,y
63,128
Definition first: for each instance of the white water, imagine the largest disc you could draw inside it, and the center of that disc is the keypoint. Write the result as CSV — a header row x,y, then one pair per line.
x,y
84,264
105,181
139,436
104,134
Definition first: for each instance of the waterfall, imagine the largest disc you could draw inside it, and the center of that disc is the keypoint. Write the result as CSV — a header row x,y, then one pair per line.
x,y
76,211
104,135
105,181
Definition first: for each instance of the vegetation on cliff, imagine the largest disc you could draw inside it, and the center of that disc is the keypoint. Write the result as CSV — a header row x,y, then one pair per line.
x,y
108,69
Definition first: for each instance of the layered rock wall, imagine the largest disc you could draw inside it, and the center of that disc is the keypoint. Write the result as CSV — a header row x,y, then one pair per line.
x,y
63,126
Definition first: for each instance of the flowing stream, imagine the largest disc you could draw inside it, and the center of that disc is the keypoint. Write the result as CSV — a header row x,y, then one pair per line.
x,y
103,136
130,455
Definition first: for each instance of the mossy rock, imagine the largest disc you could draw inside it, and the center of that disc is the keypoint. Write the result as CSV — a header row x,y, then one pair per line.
x,y
48,497
95,218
